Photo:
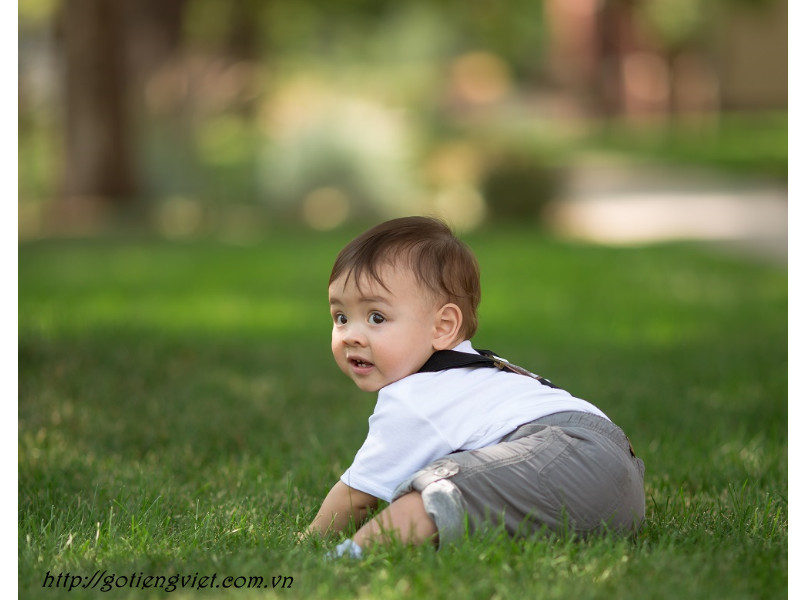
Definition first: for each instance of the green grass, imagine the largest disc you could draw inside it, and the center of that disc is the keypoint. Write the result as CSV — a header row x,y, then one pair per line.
x,y
179,413
756,144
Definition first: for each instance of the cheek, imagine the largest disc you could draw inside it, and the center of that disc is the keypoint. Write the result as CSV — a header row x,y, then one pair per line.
x,y
335,340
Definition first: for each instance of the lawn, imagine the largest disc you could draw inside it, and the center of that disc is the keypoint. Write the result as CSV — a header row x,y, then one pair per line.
x,y
180,419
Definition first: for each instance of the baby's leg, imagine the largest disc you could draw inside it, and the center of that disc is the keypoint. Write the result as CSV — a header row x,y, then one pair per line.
x,y
568,472
404,520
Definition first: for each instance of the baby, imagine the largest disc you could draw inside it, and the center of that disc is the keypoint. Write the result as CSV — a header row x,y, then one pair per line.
x,y
460,439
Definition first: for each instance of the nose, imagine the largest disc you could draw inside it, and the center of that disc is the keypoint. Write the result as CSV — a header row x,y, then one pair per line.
x,y
352,335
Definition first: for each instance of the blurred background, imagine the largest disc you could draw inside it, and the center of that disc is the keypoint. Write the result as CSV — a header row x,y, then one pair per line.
x,y
619,121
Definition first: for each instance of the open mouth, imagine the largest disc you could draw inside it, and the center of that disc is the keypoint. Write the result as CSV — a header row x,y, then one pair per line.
x,y
361,364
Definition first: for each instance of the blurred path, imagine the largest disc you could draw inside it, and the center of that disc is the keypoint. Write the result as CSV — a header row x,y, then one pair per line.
x,y
627,204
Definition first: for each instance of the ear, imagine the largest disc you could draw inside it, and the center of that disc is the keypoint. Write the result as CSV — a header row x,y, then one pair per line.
x,y
446,327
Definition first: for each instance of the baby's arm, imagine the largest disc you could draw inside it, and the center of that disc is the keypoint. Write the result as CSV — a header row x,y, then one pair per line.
x,y
340,505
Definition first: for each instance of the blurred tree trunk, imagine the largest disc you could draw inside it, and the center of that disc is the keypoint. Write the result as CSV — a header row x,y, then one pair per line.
x,y
98,163
110,47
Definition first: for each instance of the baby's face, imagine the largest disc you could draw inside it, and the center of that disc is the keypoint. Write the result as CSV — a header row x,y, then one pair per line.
x,y
381,334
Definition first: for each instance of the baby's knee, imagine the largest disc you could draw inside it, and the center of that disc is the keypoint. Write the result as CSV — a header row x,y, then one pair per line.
x,y
410,509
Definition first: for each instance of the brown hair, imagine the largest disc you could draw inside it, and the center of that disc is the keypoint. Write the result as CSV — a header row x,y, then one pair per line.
x,y
441,262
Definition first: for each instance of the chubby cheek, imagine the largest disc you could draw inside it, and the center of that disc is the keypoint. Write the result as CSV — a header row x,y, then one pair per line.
x,y
337,348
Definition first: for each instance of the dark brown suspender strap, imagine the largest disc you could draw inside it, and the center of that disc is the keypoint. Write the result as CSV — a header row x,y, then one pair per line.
x,y
451,359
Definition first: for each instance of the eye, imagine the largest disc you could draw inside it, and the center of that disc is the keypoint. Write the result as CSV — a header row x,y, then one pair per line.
x,y
375,318
339,319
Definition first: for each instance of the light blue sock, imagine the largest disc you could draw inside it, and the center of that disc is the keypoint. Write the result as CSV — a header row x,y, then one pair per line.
x,y
347,548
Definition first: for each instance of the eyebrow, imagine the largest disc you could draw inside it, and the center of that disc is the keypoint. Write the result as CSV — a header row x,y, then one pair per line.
x,y
369,300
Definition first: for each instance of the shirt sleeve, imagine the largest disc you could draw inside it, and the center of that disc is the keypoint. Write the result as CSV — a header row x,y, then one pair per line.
x,y
400,442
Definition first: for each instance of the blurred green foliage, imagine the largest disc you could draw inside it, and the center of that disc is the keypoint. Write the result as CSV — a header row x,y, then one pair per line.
x,y
261,104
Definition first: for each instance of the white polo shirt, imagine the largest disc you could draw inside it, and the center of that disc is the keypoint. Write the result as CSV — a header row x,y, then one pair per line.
x,y
426,416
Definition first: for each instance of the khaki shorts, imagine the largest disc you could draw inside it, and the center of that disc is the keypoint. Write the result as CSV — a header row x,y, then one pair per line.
x,y
570,472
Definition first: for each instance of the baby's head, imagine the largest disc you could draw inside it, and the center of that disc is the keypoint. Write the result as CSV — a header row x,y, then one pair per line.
x,y
442,264
400,291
